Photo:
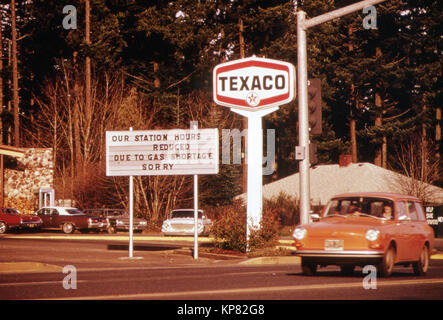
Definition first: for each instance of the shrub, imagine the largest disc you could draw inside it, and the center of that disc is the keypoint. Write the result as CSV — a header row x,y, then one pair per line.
x,y
229,229
286,207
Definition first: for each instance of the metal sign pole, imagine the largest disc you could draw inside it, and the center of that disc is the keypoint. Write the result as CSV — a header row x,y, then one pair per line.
x,y
194,126
195,216
131,214
303,122
254,160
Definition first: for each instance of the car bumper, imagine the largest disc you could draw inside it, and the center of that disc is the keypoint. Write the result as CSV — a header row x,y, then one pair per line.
x,y
341,257
31,224
184,233
126,227
98,225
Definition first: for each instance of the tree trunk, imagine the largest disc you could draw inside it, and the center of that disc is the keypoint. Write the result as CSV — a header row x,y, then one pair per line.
x,y
424,147
244,120
353,107
76,158
1,78
88,101
438,131
378,119
15,97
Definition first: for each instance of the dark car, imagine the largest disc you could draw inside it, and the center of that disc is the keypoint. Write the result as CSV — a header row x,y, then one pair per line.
x,y
69,219
10,218
118,219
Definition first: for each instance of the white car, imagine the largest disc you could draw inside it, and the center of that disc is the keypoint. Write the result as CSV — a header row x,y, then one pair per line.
x,y
180,222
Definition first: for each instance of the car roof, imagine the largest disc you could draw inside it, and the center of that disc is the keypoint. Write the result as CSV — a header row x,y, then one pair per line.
x,y
389,195
107,209
62,208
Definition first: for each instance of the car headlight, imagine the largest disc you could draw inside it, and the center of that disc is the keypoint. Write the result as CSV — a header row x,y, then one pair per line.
x,y
372,234
166,225
299,233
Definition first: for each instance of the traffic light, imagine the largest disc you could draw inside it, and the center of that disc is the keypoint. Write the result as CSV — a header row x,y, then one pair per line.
x,y
313,158
314,106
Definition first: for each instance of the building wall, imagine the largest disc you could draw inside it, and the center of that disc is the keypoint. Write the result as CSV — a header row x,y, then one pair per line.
x,y
34,171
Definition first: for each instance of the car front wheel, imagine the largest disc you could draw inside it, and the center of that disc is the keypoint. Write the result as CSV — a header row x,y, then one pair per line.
x,y
111,229
68,228
309,268
387,264
421,266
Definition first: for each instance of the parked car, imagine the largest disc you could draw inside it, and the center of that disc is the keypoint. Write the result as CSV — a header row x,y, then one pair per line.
x,y
70,219
358,229
181,222
118,219
11,218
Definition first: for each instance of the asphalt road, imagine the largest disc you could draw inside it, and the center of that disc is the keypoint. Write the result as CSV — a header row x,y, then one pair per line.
x,y
31,267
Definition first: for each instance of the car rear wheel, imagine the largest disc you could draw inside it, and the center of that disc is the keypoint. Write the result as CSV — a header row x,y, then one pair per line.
x,y
3,227
387,264
309,268
68,228
421,266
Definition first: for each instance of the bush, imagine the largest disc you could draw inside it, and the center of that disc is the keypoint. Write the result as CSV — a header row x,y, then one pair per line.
x,y
229,229
286,207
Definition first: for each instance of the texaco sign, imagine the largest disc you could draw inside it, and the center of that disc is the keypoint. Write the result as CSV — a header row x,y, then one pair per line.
x,y
253,83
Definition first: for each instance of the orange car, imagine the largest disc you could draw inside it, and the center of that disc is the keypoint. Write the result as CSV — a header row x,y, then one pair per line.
x,y
358,229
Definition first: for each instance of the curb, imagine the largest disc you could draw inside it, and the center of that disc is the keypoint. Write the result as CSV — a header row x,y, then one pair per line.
x,y
216,256
272,260
28,267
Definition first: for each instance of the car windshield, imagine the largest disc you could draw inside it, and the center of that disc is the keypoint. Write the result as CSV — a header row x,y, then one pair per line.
x,y
74,211
369,206
185,214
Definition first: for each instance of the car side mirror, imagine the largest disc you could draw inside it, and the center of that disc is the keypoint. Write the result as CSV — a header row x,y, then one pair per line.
x,y
315,217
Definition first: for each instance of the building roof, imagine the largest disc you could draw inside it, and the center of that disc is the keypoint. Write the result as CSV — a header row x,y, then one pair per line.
x,y
332,179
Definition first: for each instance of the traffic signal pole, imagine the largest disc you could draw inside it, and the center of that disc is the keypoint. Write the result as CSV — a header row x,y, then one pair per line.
x,y
302,79
303,121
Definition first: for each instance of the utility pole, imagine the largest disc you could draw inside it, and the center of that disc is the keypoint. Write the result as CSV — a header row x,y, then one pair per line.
x,y
304,24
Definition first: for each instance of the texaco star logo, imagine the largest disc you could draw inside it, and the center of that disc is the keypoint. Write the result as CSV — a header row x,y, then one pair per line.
x,y
252,99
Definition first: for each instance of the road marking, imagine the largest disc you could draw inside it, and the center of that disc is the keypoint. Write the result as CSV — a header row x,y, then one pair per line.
x,y
207,293
154,278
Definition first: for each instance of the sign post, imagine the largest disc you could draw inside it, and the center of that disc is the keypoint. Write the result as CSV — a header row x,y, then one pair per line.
x,y
194,127
254,87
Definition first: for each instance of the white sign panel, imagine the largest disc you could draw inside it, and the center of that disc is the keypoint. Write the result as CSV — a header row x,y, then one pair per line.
x,y
253,83
162,152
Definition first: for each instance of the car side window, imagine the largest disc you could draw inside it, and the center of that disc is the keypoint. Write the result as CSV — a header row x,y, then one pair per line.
x,y
412,211
44,212
402,213
420,212
54,212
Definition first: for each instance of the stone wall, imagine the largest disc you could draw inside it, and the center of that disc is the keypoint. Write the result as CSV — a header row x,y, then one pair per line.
x,y
34,171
